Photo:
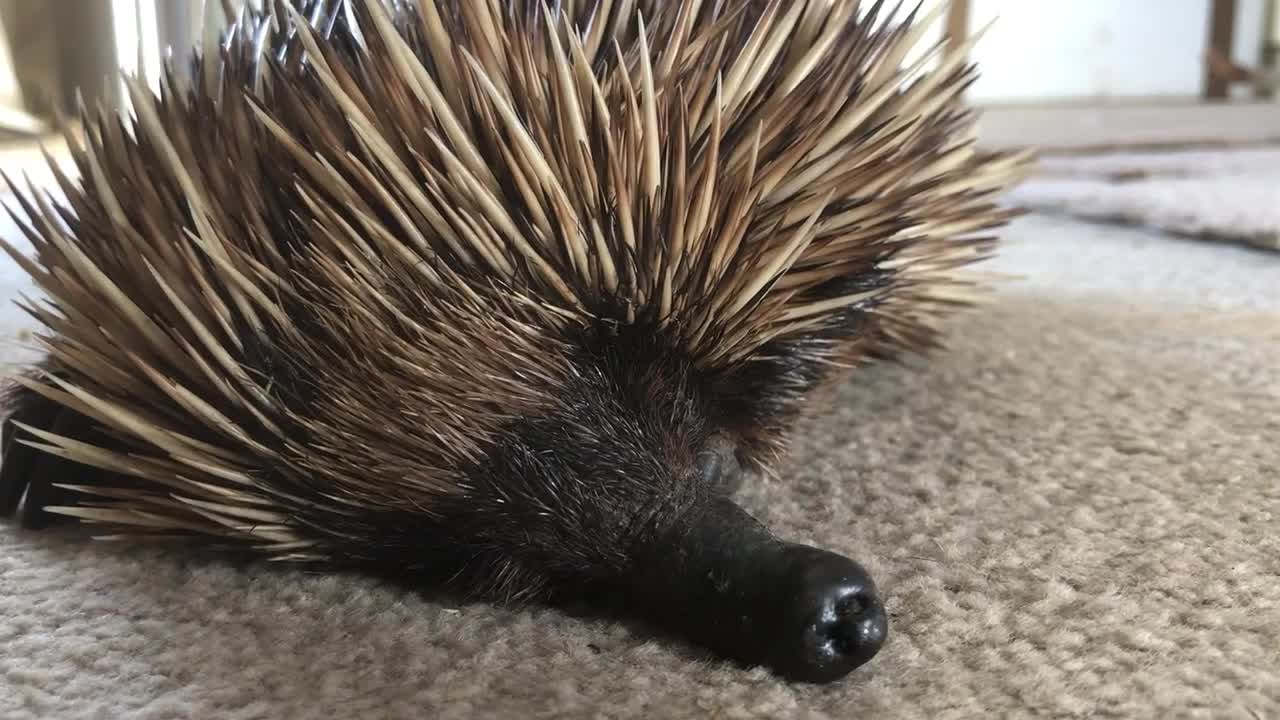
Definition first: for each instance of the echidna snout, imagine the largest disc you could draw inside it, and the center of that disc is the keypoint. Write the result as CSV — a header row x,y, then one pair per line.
x,y
807,614
618,496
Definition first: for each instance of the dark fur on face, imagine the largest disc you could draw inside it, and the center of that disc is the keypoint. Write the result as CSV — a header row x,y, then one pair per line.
x,y
570,497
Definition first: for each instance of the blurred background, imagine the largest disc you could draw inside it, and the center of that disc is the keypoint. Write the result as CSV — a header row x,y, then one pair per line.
x,y
1040,53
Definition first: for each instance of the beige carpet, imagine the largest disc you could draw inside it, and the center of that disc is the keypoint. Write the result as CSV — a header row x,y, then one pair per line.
x,y
1229,195
1075,513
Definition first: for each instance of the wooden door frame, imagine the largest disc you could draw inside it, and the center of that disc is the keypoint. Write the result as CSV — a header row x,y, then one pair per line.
x,y
1222,30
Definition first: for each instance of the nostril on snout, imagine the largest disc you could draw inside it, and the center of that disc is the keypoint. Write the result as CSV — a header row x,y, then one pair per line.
x,y
859,627
852,605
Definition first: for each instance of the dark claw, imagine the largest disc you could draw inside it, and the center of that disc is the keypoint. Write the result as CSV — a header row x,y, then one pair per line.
x,y
27,474
46,469
16,463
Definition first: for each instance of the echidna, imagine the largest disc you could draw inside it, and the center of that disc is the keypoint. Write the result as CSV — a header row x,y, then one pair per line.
x,y
504,296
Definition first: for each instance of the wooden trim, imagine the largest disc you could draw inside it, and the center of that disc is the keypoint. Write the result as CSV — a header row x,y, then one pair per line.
x,y
1269,62
1222,25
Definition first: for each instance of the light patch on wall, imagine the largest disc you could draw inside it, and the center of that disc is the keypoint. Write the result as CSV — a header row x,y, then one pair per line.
x,y
1100,49
137,43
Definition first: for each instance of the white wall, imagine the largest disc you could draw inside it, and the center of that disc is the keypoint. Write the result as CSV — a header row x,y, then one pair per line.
x,y
1056,50
10,92
1038,50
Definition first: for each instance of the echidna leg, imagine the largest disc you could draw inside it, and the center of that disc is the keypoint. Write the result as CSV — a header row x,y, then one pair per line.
x,y
28,474
16,458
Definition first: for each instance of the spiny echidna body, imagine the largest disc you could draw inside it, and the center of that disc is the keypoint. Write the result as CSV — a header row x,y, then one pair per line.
x,y
503,295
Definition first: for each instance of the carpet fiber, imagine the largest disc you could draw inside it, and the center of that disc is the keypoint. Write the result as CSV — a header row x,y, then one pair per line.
x,y
1073,513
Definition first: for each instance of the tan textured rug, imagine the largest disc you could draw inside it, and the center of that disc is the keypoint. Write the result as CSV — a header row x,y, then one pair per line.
x,y
1075,513
1221,194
